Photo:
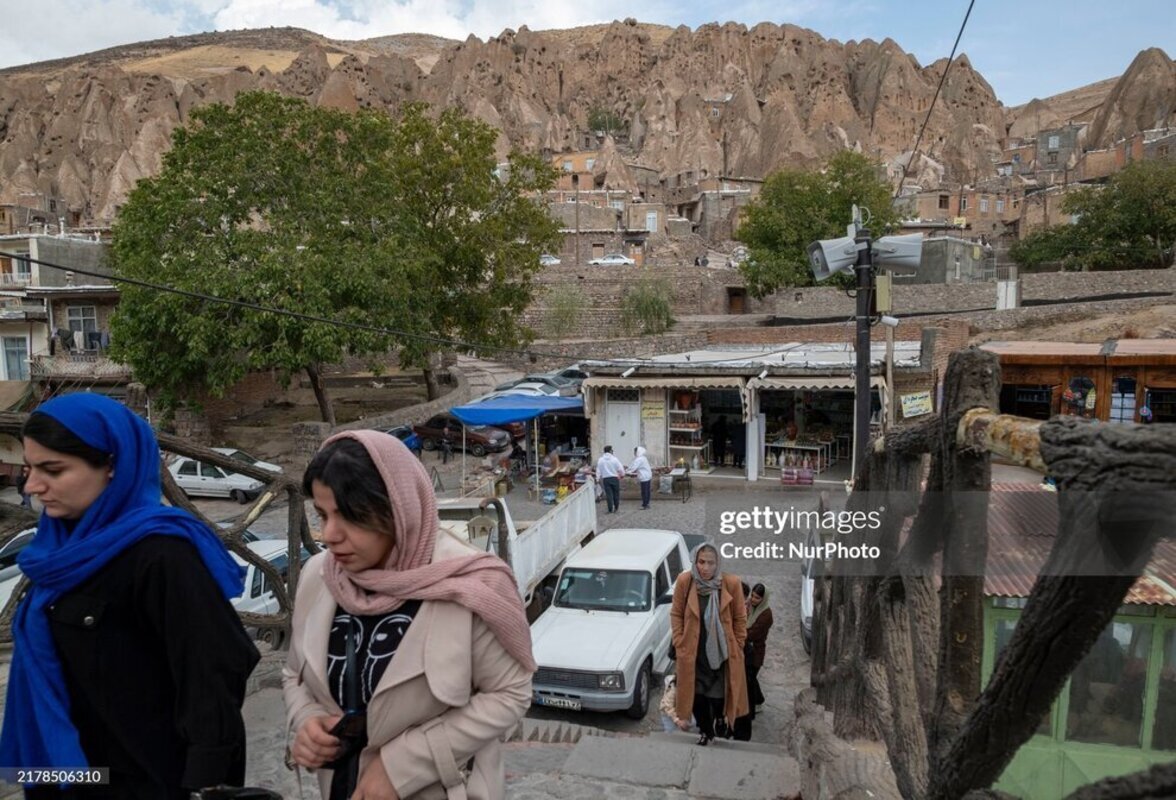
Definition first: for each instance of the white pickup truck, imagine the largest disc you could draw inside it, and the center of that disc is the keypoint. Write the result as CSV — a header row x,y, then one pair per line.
x,y
535,550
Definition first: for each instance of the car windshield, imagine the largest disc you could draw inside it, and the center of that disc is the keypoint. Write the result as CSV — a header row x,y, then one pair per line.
x,y
242,456
604,590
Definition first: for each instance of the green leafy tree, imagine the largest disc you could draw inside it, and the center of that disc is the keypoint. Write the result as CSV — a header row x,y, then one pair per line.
x,y
565,306
1129,223
277,203
646,308
796,208
601,119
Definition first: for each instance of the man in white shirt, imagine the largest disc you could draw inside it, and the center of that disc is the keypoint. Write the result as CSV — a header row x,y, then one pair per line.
x,y
640,467
609,470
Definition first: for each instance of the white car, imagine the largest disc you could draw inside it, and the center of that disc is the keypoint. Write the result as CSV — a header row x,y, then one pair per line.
x,y
245,458
208,480
808,571
10,572
548,260
613,260
608,629
258,597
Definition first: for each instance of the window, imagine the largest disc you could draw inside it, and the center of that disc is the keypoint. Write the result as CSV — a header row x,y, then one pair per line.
x,y
590,164
210,471
1054,142
16,358
963,204
624,395
715,112
674,561
1000,205
943,202
619,205
663,581
651,221
1123,399
1106,689
1003,631
983,205
1164,730
1052,158
567,166
82,318
188,468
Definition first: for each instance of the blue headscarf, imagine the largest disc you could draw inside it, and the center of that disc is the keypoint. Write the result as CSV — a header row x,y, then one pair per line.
x,y
37,725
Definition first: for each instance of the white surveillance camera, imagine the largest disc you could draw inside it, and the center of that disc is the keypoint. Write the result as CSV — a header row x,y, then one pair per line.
x,y
899,252
828,257
628,372
763,374
888,321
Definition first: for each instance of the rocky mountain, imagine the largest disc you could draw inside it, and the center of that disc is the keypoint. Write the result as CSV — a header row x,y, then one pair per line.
x,y
723,98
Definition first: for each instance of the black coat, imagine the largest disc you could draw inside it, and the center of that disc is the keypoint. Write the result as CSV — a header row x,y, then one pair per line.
x,y
156,661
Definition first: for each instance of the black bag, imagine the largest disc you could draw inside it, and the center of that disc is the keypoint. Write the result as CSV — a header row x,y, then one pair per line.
x,y
673,655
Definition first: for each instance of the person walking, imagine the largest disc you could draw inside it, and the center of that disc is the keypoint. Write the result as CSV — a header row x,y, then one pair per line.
x,y
644,473
708,622
127,652
410,654
609,470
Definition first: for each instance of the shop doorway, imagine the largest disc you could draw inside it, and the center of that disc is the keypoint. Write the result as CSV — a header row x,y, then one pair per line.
x,y
736,300
1034,402
1162,404
622,421
724,430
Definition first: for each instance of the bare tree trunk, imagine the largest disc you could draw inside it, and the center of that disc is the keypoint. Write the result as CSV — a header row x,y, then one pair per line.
x,y
320,394
1106,534
432,385
972,381
1159,781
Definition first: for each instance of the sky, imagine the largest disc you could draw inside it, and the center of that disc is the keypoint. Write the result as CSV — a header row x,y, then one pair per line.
x,y
1024,48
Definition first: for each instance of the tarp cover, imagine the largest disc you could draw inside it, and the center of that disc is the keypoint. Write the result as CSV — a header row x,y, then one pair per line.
x,y
515,408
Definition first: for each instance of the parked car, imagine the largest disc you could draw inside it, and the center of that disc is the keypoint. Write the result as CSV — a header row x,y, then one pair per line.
x,y
258,597
607,631
245,458
572,373
556,382
406,434
11,550
208,480
548,260
808,572
533,388
613,260
479,439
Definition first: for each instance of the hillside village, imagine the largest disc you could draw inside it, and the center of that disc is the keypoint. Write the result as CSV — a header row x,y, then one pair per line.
x,y
660,138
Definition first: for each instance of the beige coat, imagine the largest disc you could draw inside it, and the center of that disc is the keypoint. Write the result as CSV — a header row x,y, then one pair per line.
x,y
450,692
685,624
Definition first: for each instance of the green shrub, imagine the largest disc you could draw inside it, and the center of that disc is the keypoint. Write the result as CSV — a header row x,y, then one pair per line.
x,y
563,305
647,309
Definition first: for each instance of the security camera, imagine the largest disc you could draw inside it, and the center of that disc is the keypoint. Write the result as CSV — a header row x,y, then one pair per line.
x,y
888,321
828,257
763,374
899,252
628,372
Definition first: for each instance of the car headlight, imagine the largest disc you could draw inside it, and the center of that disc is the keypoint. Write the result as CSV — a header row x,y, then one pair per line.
x,y
612,681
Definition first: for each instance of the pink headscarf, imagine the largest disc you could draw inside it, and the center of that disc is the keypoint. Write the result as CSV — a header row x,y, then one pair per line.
x,y
481,582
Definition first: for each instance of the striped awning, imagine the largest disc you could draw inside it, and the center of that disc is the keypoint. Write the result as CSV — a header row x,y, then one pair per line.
x,y
801,382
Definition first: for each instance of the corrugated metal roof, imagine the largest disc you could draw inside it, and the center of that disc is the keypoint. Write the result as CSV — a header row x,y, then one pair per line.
x,y
1022,526
793,355
1060,349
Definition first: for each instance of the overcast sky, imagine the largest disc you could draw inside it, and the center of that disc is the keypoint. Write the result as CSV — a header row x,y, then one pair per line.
x,y
1025,48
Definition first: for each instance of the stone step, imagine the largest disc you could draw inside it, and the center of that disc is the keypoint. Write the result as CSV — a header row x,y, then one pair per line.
x,y
553,732
723,769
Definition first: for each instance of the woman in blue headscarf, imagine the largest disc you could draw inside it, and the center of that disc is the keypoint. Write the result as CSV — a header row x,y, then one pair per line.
x,y
128,654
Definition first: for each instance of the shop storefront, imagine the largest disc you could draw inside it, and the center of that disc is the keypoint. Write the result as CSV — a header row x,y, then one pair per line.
x,y
1129,380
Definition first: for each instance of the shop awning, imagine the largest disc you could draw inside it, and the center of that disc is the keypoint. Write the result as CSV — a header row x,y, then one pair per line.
x,y
664,382
515,408
802,383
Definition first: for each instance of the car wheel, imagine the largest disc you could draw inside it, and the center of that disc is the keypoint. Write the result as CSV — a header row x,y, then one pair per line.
x,y
429,444
239,496
478,450
640,705
806,639
274,637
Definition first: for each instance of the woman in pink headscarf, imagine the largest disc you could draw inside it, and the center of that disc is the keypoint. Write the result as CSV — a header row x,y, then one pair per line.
x,y
411,654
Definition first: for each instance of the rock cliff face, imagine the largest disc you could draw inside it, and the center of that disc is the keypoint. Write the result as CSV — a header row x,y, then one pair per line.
x,y
724,99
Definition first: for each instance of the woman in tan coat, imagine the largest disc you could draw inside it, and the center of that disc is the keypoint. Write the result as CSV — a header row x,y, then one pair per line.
x,y
709,623
410,654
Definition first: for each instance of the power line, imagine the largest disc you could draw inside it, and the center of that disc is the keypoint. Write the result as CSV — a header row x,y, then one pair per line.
x,y
926,119
455,344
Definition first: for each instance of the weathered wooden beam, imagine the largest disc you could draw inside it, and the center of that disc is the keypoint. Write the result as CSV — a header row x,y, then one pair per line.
x,y
1012,438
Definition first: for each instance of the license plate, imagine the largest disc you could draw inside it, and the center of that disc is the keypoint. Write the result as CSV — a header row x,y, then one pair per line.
x,y
558,702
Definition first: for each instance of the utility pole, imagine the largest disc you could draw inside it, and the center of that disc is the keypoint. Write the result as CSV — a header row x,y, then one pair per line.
x,y
576,187
865,287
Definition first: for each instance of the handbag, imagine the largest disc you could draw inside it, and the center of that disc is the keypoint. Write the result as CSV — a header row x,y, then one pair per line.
x,y
352,728
673,654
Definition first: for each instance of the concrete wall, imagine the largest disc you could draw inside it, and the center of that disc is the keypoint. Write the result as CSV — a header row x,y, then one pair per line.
x,y
69,252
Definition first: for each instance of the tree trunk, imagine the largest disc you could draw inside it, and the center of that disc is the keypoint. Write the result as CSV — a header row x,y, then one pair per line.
x,y
320,394
1159,781
432,385
1106,533
972,381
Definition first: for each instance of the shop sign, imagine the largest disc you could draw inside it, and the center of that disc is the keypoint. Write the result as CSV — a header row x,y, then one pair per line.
x,y
916,405
653,410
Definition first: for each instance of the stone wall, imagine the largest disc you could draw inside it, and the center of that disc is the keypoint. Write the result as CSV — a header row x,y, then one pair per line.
x,y
694,291
829,301
309,436
567,352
